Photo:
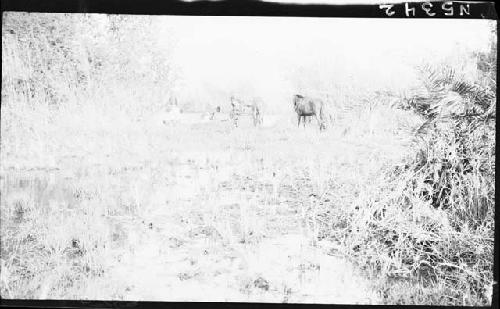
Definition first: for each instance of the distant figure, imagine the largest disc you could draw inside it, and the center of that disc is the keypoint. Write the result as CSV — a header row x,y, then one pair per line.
x,y
212,114
258,118
309,107
172,101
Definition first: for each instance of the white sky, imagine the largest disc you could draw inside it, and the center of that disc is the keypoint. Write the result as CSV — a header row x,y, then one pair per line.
x,y
258,53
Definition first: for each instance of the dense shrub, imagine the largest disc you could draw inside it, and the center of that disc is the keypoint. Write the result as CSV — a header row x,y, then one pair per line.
x,y
428,223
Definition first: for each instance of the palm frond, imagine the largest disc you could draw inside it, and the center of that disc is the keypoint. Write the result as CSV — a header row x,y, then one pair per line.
x,y
436,79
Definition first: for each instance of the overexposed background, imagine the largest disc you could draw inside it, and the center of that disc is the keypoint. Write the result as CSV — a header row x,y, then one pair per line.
x,y
274,57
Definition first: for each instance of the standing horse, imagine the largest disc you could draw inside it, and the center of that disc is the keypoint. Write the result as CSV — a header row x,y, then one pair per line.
x,y
309,107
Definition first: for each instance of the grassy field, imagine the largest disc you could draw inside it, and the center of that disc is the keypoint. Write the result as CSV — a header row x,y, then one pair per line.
x,y
114,207
197,210
105,195
158,211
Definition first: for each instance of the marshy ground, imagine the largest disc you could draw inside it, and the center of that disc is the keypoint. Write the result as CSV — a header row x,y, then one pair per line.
x,y
187,212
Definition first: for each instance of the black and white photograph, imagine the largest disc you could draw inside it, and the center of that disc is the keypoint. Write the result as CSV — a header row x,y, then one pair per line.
x,y
249,159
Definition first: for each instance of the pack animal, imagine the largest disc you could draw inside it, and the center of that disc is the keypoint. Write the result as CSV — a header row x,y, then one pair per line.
x,y
240,108
309,107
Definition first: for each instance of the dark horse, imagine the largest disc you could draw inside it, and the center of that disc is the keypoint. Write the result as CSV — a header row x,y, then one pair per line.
x,y
309,107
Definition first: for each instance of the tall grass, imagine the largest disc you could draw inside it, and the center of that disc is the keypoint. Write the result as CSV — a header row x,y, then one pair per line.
x,y
66,94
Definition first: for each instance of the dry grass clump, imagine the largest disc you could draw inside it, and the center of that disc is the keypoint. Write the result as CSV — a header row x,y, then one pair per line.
x,y
45,252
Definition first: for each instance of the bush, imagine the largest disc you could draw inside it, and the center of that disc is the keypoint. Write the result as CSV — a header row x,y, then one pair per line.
x,y
426,226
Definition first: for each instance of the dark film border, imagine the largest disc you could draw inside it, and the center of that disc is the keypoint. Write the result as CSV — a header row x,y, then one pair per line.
x,y
171,305
431,9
